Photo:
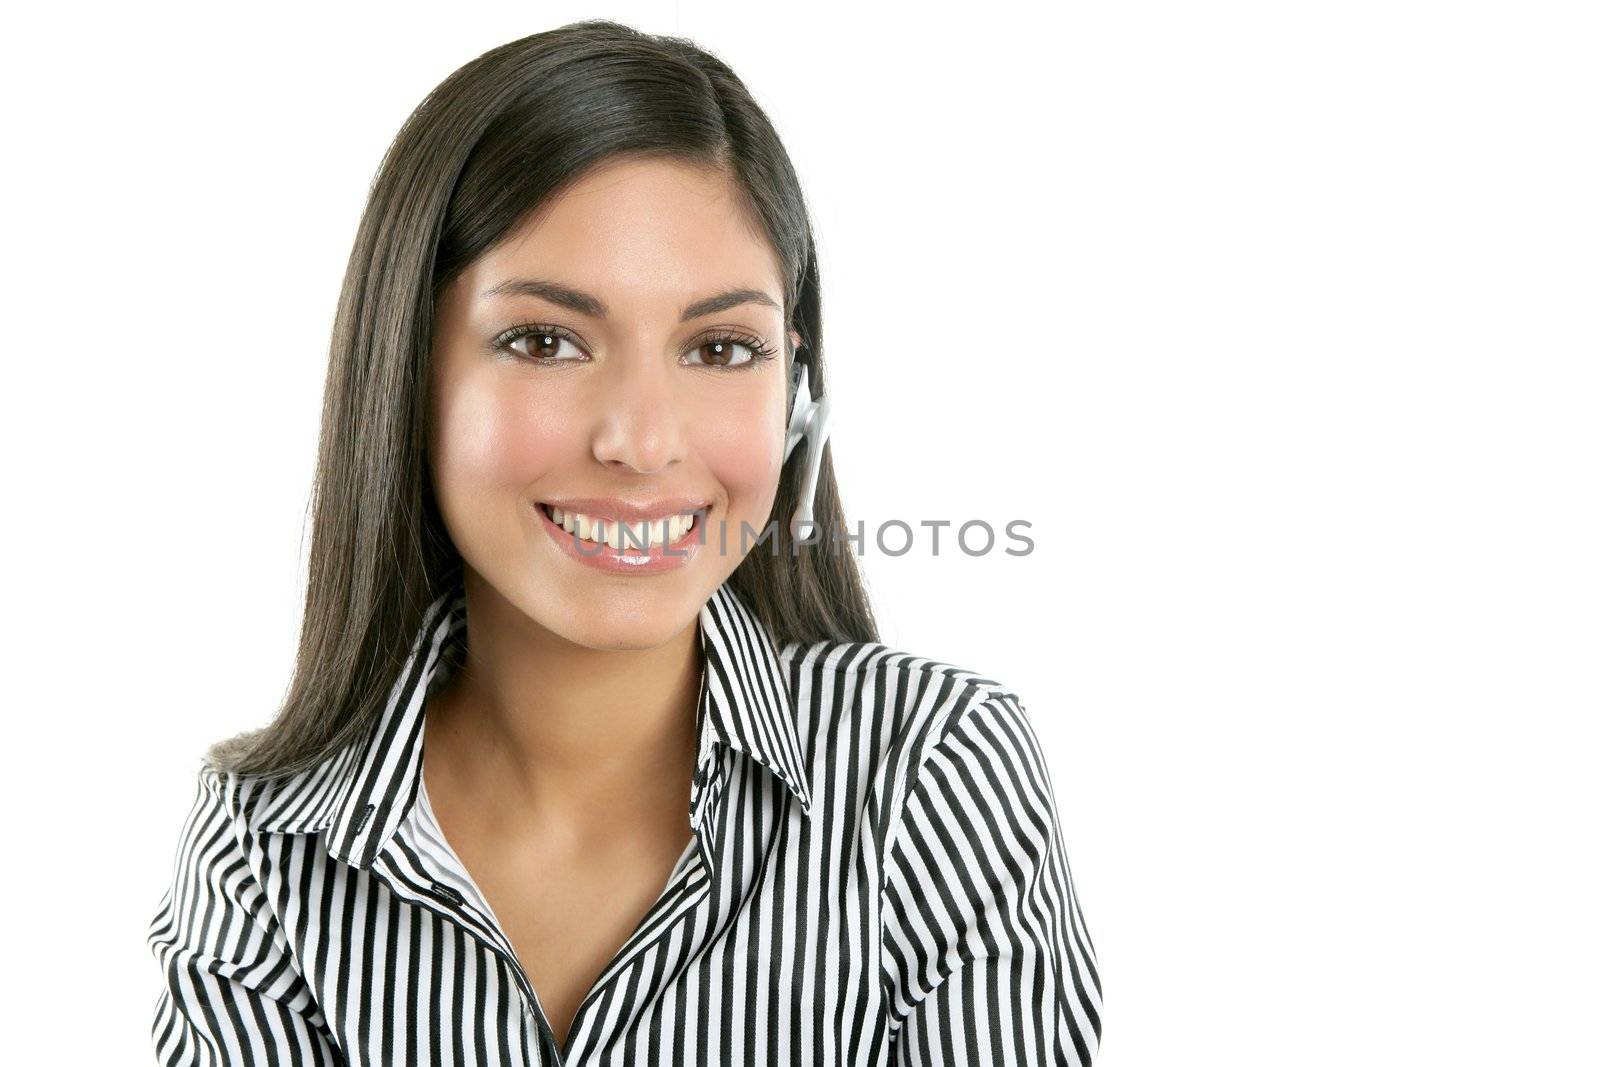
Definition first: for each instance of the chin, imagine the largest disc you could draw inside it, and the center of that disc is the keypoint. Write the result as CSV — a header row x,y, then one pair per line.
x,y
626,619
608,632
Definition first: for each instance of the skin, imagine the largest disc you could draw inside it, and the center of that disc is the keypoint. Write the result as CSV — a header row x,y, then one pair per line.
x,y
558,759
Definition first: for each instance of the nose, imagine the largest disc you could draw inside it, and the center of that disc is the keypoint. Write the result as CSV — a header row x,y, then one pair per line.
x,y
639,427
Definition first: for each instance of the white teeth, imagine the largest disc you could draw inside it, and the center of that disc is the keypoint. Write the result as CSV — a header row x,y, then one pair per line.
x,y
638,536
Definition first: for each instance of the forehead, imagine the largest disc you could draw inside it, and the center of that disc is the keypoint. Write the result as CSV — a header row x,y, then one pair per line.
x,y
640,231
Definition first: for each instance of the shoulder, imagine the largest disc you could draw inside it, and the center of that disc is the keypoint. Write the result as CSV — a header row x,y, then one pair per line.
x,y
911,703
216,795
874,661
214,825
226,809
211,871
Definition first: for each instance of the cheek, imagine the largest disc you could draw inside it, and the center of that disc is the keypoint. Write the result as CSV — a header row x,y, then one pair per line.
x,y
741,444
490,436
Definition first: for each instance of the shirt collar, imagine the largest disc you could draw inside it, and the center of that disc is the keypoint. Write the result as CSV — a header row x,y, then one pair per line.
x,y
361,794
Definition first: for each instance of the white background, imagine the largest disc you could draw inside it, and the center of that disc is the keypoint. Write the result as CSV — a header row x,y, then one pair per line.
x,y
1278,321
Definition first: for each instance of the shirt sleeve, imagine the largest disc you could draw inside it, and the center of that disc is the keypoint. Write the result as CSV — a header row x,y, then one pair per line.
x,y
986,956
231,993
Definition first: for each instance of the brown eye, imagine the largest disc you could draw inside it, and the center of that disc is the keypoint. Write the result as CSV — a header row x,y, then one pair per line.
x,y
543,346
725,352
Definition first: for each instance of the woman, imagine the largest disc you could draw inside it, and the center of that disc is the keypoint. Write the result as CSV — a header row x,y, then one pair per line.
x,y
581,283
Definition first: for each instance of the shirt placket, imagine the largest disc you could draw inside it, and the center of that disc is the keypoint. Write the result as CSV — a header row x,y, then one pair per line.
x,y
689,885
435,895
684,892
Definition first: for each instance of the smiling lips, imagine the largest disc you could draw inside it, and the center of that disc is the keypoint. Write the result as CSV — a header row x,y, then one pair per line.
x,y
624,526
619,535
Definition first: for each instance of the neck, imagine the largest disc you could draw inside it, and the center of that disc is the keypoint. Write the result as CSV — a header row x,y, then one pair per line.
x,y
536,731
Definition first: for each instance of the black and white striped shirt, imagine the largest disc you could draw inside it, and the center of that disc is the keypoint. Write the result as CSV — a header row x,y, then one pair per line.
x,y
876,876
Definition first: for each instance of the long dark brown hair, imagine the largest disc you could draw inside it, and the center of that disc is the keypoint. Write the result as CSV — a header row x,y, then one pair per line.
x,y
484,150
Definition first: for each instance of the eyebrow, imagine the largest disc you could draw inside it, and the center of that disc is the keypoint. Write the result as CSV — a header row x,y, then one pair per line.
x,y
588,304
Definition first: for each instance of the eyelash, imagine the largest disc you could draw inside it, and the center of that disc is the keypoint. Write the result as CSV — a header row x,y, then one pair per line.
x,y
760,352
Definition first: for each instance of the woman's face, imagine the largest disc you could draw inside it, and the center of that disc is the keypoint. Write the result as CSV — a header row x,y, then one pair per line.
x,y
570,363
